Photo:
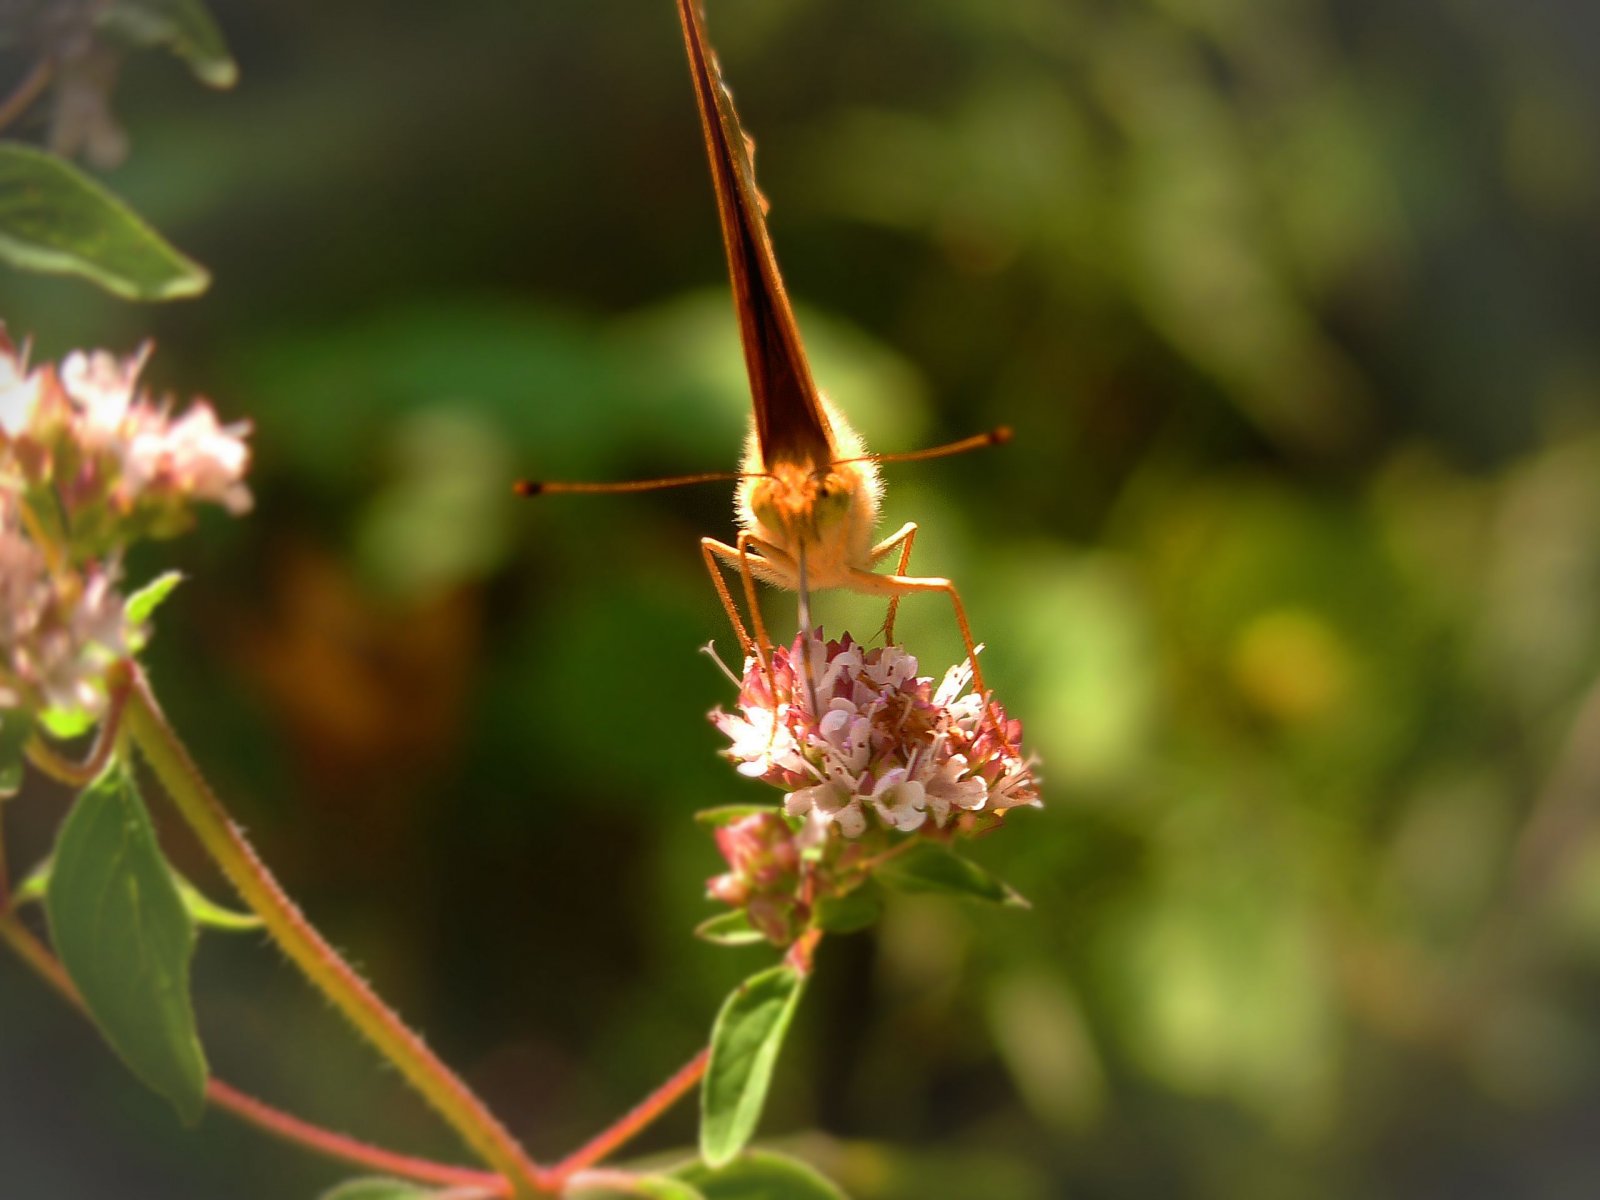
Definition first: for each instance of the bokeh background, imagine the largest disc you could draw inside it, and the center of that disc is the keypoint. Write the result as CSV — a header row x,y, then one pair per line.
x,y
1292,571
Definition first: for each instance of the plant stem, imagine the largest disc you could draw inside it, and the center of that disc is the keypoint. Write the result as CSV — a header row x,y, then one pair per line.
x,y
321,964
26,92
275,1121
348,1149
652,1106
77,775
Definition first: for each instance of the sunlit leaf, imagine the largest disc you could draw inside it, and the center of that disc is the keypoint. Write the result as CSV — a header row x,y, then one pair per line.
x,y
932,868
183,26
55,219
760,1175
121,928
647,1187
34,885
745,1041
212,915
376,1188
64,723
143,603
729,929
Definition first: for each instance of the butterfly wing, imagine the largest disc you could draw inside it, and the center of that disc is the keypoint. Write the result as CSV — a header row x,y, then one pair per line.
x,y
790,424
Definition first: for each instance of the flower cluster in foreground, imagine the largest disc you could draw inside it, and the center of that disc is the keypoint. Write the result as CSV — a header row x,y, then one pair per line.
x,y
89,463
852,733
865,748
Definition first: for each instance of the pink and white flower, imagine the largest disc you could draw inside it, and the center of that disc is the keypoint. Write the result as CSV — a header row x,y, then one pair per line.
x,y
856,737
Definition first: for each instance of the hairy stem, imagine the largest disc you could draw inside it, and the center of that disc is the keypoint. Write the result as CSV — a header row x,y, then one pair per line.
x,y
321,964
275,1121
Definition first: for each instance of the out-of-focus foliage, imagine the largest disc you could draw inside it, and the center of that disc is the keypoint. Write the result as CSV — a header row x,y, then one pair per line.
x,y
1292,571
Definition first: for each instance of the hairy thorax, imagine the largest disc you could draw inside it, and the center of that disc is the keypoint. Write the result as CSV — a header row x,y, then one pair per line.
x,y
823,516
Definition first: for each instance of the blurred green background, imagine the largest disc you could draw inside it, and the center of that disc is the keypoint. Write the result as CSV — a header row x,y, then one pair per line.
x,y
1291,571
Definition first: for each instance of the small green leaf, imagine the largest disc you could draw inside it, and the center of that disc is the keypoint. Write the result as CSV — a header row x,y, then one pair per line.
x,y
142,605
183,26
14,730
727,814
34,885
207,912
377,1188
745,1042
760,1175
650,1187
932,868
729,929
55,219
121,929
65,723
851,912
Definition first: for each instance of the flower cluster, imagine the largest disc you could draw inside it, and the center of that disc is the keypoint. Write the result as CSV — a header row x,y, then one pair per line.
x,y
853,734
763,875
89,463
866,749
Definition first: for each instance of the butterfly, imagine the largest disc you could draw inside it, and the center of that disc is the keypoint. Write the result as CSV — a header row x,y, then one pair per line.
x,y
809,494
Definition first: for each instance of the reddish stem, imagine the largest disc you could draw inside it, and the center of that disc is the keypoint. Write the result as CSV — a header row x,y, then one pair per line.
x,y
275,1121
348,1149
636,1119
86,772
322,965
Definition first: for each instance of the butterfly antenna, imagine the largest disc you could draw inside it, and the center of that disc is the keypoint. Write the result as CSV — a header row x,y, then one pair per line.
x,y
998,436
547,487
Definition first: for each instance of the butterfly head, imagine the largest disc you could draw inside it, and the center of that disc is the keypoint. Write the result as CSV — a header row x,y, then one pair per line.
x,y
828,506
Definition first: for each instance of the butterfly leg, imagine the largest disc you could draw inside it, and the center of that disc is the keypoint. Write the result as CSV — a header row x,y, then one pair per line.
x,y
902,537
763,642
895,586
768,562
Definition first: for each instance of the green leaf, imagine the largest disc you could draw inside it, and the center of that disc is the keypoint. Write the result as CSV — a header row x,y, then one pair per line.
x,y
727,814
729,929
14,730
377,1188
651,1187
207,912
932,868
141,606
55,219
183,26
65,723
34,885
851,912
122,931
760,1175
745,1042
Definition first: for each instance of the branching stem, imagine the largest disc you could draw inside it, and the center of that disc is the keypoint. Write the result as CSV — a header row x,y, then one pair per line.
x,y
320,963
641,1115
290,1128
